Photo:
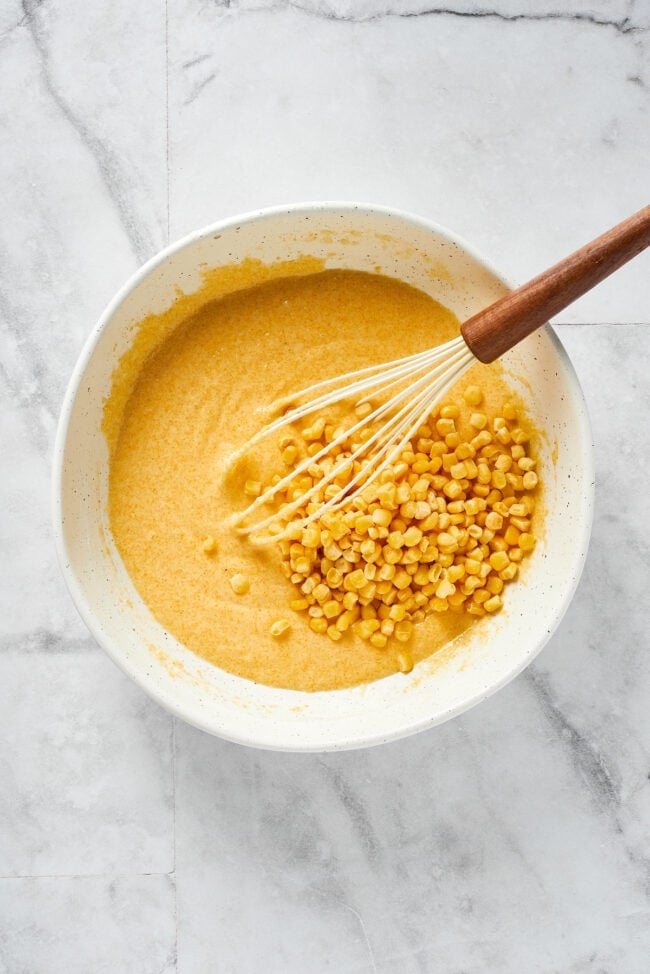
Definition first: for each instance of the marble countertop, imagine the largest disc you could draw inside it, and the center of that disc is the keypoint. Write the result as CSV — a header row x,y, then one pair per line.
x,y
512,840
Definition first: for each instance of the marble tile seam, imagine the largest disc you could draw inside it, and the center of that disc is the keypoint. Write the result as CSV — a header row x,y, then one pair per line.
x,y
110,876
324,11
174,831
46,641
600,324
167,166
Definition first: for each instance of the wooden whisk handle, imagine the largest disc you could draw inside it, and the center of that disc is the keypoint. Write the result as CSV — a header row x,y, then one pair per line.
x,y
513,317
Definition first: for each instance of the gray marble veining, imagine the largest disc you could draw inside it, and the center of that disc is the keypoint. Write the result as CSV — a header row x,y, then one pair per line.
x,y
512,839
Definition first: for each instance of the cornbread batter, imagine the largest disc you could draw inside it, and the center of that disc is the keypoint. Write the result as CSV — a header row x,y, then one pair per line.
x,y
190,394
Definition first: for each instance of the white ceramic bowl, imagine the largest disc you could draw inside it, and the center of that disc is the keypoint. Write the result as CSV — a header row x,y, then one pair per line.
x,y
358,237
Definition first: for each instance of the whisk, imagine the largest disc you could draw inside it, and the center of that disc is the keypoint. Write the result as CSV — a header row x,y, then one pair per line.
x,y
410,388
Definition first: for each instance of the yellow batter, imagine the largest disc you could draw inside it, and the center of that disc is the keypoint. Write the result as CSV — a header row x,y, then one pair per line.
x,y
179,410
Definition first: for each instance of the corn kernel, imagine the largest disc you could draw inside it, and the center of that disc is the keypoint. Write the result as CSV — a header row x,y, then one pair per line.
x,y
421,576
209,546
494,521
478,421
494,585
455,573
481,440
339,529
345,620
445,588
412,536
530,480
407,510
465,451
366,627
509,572
499,560
355,580
404,662
378,640
367,591
450,412
311,536
470,584
332,608
402,579
290,454
279,628
422,510
321,593
381,516
526,463
526,541
239,584
315,431
363,409
452,489
511,535
445,426
302,565
473,396
293,530
403,630
447,542
528,502
493,604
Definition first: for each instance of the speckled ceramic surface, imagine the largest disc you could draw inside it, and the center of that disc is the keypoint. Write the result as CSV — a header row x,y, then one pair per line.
x,y
359,237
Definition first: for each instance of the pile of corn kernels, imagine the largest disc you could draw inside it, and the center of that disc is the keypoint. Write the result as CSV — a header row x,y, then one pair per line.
x,y
444,529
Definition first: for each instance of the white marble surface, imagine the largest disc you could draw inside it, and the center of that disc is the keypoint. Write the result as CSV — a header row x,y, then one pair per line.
x,y
514,839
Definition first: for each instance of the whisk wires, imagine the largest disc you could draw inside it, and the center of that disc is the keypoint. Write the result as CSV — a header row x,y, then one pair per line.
x,y
420,381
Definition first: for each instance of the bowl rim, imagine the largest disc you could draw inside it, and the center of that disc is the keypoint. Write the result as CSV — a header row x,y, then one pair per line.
x,y
77,592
